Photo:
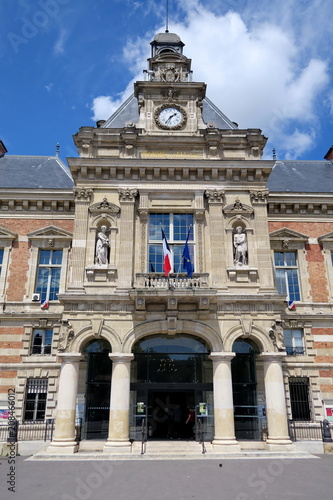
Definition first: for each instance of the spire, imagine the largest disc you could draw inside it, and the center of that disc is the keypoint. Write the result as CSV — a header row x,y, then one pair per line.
x,y
167,17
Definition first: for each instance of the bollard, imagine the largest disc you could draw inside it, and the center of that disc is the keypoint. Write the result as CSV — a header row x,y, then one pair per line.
x,y
326,431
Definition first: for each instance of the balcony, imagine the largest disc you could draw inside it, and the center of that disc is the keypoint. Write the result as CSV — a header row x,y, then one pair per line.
x,y
157,281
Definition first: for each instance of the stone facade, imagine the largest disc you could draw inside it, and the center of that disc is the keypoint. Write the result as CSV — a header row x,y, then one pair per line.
x,y
169,161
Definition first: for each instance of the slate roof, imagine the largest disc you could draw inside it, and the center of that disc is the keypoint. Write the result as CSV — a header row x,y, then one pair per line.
x,y
301,177
34,172
128,112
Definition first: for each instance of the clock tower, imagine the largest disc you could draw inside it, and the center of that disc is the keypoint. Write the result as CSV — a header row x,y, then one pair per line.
x,y
169,100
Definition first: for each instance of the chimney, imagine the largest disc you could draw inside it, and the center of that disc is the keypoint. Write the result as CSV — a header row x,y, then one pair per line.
x,y
329,154
3,149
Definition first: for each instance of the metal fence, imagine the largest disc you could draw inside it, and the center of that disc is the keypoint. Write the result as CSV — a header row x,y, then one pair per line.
x,y
33,431
305,431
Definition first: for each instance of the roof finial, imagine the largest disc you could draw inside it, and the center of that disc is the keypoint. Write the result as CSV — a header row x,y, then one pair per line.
x,y
57,149
167,17
274,153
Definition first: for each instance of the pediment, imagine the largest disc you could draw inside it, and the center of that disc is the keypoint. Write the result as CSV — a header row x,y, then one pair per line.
x,y
50,232
326,238
6,234
288,234
104,207
238,208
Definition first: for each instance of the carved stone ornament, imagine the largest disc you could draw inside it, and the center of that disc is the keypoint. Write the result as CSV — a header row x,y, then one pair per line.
x,y
83,193
170,95
66,335
238,208
214,195
276,336
127,194
169,73
259,196
104,207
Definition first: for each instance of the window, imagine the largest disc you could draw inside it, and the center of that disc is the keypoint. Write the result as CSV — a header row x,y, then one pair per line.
x,y
299,398
41,341
36,395
176,228
286,272
294,341
48,274
1,259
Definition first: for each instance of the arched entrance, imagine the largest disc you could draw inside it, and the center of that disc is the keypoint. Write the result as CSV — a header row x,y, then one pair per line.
x,y
95,386
171,376
248,412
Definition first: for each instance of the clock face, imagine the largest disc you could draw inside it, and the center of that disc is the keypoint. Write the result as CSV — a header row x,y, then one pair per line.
x,y
170,117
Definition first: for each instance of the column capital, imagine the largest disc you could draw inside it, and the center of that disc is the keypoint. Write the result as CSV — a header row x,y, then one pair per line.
x,y
121,357
221,356
272,356
70,357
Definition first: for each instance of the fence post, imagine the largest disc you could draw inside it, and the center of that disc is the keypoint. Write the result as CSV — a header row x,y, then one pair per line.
x,y
326,431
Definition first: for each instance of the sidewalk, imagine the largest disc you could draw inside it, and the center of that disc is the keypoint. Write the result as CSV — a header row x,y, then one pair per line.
x,y
251,479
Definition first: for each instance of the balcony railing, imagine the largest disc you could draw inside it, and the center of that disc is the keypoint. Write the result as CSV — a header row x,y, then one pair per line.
x,y
158,281
295,351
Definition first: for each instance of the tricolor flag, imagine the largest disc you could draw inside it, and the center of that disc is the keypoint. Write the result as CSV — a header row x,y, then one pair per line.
x,y
291,304
187,264
167,256
44,304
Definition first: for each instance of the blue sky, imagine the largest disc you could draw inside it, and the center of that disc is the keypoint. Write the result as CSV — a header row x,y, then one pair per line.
x,y
67,63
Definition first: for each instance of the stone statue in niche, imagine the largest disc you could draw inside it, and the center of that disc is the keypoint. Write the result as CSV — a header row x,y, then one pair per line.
x,y
240,247
65,336
102,247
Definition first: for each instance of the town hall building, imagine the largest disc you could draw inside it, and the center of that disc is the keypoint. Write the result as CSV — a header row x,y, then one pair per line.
x,y
228,344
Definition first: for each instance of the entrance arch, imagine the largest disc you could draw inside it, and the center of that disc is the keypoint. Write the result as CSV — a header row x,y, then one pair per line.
x,y
170,376
248,408
94,389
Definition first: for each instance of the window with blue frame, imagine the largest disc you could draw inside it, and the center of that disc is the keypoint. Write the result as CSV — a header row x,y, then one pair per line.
x,y
176,229
294,341
286,273
1,258
48,274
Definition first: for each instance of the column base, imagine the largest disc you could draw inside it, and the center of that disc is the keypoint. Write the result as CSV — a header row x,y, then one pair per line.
x,y
117,447
62,447
279,445
226,445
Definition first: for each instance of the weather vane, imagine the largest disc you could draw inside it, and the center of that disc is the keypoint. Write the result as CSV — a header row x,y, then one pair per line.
x,y
167,17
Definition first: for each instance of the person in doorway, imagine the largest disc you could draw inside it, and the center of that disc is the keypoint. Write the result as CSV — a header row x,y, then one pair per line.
x,y
190,421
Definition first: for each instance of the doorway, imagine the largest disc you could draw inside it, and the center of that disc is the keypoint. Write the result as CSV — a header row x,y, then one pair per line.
x,y
171,376
98,390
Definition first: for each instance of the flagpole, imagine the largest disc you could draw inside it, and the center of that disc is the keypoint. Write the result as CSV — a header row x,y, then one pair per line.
x,y
188,235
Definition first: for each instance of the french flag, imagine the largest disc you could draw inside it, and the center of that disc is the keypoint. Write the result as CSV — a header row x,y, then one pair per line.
x,y
167,256
44,304
291,305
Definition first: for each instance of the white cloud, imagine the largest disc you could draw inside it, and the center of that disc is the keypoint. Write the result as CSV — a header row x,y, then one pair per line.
x,y
264,69
59,46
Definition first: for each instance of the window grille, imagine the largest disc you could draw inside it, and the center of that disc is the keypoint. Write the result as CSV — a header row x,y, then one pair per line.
x,y
299,398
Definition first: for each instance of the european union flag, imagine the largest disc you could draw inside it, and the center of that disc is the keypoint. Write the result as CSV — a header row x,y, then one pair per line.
x,y
187,263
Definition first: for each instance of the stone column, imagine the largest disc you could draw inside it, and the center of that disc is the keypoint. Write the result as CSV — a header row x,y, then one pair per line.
x,y
64,432
217,239
224,438
278,435
126,232
82,200
118,439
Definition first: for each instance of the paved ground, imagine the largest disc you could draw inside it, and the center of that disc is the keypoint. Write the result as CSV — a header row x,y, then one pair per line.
x,y
247,479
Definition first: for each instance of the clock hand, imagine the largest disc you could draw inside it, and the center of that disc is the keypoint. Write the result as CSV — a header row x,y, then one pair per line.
x,y
171,116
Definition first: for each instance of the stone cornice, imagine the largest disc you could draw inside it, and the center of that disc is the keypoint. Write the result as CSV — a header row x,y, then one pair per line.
x,y
299,205
253,173
43,201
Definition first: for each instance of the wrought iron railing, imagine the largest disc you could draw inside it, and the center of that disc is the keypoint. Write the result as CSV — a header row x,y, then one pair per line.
x,y
143,435
295,351
33,430
159,282
305,431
